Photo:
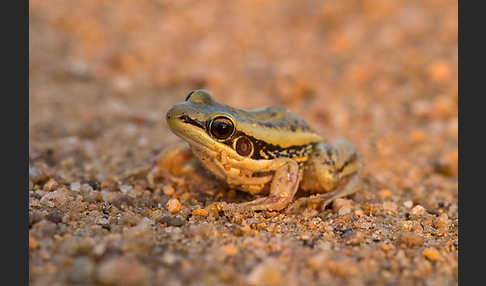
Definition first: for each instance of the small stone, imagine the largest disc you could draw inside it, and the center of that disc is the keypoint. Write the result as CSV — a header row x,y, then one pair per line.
x,y
431,254
102,221
385,194
417,136
343,268
55,216
173,206
317,261
140,238
86,189
442,223
447,165
266,273
359,212
440,71
340,203
33,173
353,237
230,250
35,217
410,239
408,204
123,271
390,208
344,211
417,211
33,243
50,186
200,212
56,198
125,188
168,190
75,187
82,270
171,221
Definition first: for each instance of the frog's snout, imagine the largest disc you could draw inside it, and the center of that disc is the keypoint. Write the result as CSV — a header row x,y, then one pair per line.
x,y
173,113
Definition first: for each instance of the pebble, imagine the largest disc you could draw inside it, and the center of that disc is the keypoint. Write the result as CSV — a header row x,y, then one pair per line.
x,y
353,237
200,212
171,221
56,198
125,188
385,194
344,211
123,271
35,217
82,270
417,136
75,187
340,203
317,261
440,71
173,206
102,221
390,208
431,254
343,268
54,216
408,204
410,239
50,186
33,243
417,211
267,273
168,190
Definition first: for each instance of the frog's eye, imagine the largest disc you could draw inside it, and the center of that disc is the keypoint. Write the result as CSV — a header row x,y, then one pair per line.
x,y
243,146
221,127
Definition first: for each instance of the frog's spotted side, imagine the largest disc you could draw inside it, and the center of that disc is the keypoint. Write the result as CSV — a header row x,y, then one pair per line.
x,y
266,149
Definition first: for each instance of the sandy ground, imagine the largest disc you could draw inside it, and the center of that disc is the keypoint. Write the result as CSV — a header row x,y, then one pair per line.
x,y
382,74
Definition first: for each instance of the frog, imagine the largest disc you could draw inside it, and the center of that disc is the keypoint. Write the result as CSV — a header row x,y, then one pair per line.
x,y
268,152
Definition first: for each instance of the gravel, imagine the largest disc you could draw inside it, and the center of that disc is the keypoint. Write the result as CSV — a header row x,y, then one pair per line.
x,y
381,74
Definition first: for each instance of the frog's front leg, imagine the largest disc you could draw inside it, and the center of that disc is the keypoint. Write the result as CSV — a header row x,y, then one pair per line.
x,y
331,171
283,187
171,163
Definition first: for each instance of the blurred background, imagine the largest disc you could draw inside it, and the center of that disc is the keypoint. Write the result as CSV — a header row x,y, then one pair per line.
x,y
380,73
367,70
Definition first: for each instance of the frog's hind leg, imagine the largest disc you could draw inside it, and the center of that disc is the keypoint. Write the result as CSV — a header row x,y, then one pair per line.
x,y
334,169
282,189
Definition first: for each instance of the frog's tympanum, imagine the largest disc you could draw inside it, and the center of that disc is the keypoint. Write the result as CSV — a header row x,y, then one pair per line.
x,y
268,151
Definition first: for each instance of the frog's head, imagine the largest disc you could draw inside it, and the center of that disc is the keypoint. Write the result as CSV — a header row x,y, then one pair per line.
x,y
207,124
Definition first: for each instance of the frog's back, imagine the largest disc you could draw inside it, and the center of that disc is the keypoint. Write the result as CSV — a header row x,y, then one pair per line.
x,y
277,126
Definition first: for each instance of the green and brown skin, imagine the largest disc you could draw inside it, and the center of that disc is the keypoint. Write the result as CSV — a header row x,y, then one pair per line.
x,y
266,150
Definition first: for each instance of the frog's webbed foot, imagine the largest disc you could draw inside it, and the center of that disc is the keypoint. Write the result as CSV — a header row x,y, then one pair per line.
x,y
282,189
169,165
334,169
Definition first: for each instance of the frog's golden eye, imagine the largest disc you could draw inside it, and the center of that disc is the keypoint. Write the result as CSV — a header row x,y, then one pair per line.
x,y
221,127
243,146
